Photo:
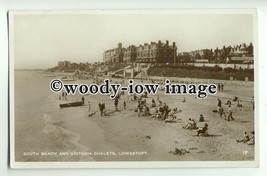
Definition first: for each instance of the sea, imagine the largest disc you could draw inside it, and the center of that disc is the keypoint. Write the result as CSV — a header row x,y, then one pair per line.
x,y
39,122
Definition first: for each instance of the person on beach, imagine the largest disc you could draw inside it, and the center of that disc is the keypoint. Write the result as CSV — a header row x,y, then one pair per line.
x,y
201,118
235,99
228,102
245,138
170,118
252,102
153,103
203,130
116,102
161,111
139,109
219,87
146,110
222,86
221,111
167,110
102,108
175,110
251,139
219,107
160,103
83,99
219,103
99,106
124,105
191,124
238,105
230,114
184,100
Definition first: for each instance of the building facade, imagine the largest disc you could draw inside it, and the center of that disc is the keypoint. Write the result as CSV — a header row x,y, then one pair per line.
x,y
130,54
156,53
114,55
62,64
239,49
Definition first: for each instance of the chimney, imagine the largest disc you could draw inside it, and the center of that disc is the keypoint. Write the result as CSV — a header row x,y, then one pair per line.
x,y
173,44
167,43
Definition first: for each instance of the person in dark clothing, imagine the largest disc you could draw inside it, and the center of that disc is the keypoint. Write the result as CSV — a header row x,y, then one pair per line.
x,y
219,87
253,103
202,130
228,102
235,99
201,118
219,103
116,101
124,105
83,99
100,108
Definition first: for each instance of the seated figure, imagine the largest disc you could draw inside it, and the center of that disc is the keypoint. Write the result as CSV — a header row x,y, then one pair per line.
x,y
203,131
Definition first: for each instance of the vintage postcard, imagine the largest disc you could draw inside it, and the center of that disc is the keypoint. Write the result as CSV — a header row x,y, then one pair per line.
x,y
133,89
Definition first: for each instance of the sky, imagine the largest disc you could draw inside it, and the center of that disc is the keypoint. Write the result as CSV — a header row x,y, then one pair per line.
x,y
41,40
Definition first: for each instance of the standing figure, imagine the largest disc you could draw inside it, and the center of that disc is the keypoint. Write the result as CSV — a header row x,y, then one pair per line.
x,y
252,102
100,108
83,99
116,101
219,87
124,105
230,113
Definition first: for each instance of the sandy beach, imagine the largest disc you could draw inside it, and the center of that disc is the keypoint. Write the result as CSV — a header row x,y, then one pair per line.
x,y
123,136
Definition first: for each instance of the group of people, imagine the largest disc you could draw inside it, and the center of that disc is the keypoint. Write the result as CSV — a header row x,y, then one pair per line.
x,y
220,110
192,125
220,86
161,110
250,140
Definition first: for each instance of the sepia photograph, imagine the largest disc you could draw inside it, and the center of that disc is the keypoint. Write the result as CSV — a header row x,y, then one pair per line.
x,y
133,88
